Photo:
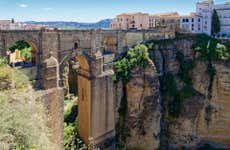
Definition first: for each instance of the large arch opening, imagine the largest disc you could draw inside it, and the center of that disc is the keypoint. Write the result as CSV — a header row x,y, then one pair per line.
x,y
22,53
94,98
69,72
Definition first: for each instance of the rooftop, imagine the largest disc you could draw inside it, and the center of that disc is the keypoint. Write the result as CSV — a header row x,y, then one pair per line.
x,y
168,14
131,14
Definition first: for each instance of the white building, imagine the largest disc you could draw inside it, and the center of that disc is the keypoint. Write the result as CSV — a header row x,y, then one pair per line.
x,y
191,23
201,20
205,10
223,11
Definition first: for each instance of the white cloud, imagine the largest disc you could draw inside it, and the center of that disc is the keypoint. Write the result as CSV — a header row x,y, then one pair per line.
x,y
23,5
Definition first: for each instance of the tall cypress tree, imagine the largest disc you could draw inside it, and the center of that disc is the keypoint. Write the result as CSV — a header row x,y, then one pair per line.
x,y
215,23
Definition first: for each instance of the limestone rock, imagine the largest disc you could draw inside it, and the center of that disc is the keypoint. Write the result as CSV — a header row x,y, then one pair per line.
x,y
143,116
200,78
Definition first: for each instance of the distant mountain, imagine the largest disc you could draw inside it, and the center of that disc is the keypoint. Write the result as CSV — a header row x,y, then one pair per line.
x,y
66,24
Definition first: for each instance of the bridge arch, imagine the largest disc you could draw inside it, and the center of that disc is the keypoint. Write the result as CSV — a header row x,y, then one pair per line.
x,y
25,44
95,97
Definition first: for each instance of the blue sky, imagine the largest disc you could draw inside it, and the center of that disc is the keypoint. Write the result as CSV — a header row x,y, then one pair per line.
x,y
88,10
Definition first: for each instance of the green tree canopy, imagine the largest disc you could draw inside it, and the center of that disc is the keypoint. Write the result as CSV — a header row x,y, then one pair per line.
x,y
20,45
24,48
215,23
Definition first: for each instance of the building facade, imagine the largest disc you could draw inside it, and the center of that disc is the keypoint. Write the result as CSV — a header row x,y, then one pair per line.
x,y
171,21
131,20
191,23
12,25
223,11
145,21
201,20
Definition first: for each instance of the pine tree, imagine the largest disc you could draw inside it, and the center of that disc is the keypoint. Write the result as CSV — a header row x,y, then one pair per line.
x,y
215,23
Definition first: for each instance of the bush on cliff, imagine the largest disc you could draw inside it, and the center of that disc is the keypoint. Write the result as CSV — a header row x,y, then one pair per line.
x,y
135,57
210,48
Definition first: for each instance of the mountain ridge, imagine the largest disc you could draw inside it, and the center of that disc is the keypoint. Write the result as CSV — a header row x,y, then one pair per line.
x,y
105,23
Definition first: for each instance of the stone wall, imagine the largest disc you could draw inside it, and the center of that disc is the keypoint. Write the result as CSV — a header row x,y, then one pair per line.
x,y
54,102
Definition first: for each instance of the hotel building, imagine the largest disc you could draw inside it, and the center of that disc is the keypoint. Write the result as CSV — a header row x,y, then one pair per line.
x,y
201,20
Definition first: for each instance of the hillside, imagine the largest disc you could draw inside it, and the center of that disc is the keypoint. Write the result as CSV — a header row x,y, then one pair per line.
x,y
65,24
22,115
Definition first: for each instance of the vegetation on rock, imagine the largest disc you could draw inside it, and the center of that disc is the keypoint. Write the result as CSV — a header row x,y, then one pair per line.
x,y
71,136
135,57
174,95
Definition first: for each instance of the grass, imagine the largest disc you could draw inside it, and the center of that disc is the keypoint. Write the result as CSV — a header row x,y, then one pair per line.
x,y
22,116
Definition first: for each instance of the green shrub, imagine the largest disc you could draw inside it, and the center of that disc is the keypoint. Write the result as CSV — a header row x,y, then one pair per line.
x,y
211,49
135,57
70,113
19,45
3,62
26,53
71,137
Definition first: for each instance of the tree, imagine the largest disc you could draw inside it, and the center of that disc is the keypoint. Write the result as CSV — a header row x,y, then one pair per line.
x,y
19,45
24,48
215,23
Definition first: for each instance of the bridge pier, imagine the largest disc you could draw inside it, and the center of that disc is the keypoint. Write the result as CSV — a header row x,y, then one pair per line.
x,y
96,103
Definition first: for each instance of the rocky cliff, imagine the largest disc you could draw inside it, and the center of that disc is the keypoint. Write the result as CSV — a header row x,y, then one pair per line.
x,y
191,111
143,116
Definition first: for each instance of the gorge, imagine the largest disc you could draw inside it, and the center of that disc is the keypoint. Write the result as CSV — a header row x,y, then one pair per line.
x,y
168,92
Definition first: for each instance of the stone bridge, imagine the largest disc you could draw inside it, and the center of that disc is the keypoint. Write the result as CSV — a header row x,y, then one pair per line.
x,y
94,50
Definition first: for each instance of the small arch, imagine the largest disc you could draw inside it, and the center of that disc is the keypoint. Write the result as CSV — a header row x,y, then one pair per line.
x,y
75,45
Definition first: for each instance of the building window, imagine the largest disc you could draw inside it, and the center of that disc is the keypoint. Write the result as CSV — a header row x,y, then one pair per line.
x,y
140,25
198,19
192,20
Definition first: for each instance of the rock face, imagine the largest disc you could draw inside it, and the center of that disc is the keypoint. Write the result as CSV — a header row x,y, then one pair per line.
x,y
191,128
143,117
217,131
